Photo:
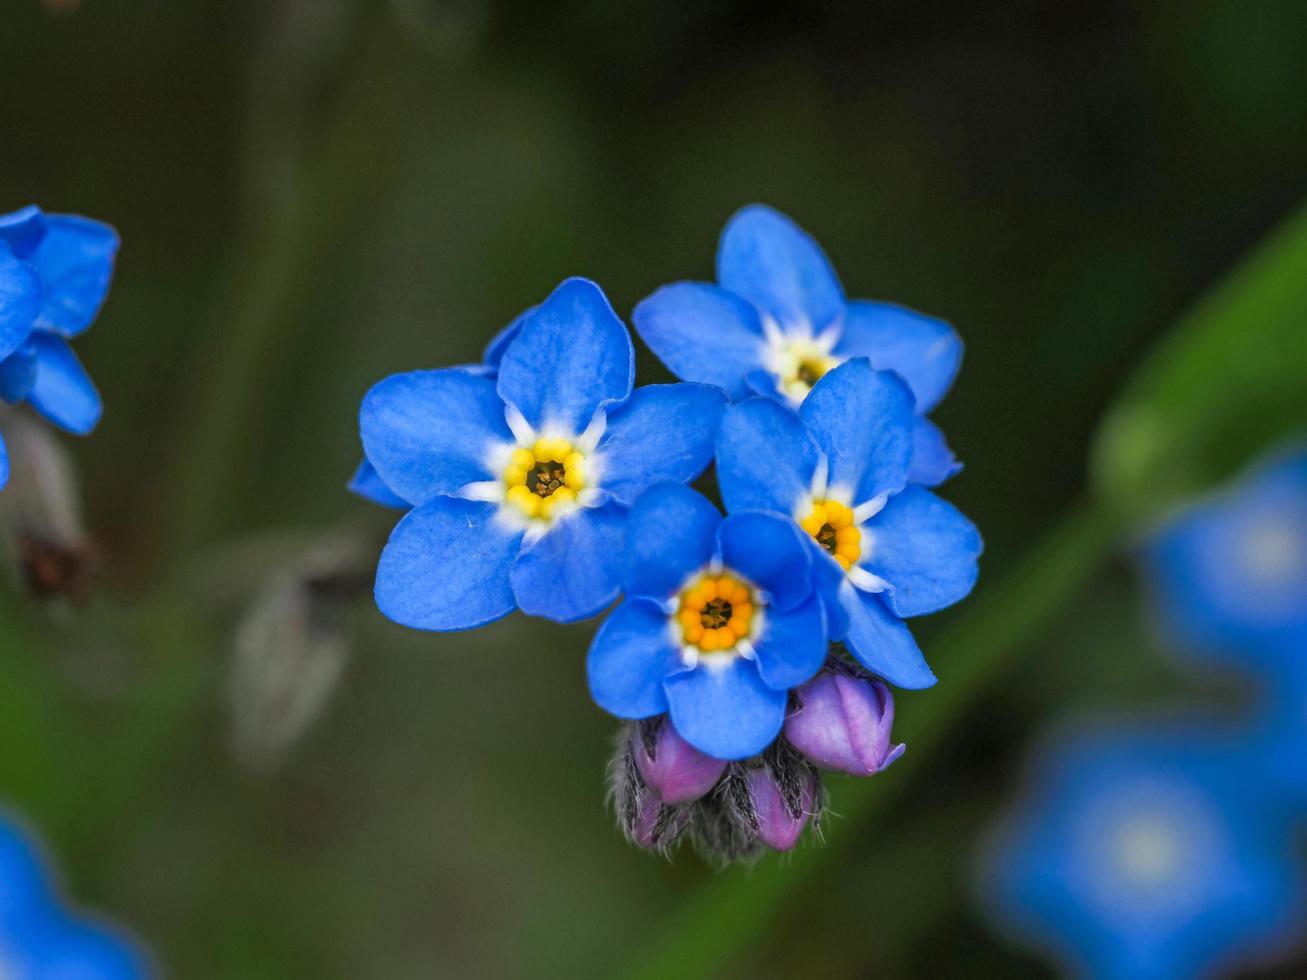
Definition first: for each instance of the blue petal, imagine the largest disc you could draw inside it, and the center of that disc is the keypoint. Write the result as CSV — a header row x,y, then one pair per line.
x,y
882,642
75,262
828,578
862,420
431,432
765,457
575,570
768,550
702,333
18,374
925,549
924,351
774,264
725,710
793,644
933,461
665,432
629,658
20,301
494,352
367,483
571,357
21,230
4,463
670,534
63,391
77,950
447,565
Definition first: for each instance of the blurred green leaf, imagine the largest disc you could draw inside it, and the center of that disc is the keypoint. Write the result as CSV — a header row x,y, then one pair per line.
x,y
1227,383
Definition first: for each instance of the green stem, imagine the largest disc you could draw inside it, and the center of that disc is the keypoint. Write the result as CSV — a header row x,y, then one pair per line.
x,y
732,910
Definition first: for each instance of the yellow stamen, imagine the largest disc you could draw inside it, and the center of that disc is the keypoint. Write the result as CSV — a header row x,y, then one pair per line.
x,y
716,612
544,478
833,526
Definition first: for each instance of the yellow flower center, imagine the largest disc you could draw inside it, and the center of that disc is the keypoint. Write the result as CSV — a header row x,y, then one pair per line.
x,y
800,364
716,613
539,479
831,524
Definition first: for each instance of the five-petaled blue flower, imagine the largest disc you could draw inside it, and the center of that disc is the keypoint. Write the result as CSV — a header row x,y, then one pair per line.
x,y
39,938
778,321
720,620
519,483
1230,573
54,275
1147,854
884,548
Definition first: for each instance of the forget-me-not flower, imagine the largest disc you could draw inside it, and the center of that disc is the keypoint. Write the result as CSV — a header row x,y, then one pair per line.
x,y
54,275
40,939
519,484
777,321
1147,854
720,620
1230,572
884,549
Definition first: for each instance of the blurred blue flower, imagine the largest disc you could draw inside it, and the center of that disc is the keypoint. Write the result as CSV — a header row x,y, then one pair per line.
x,y
54,275
1230,572
720,620
884,549
41,940
1146,853
519,484
778,321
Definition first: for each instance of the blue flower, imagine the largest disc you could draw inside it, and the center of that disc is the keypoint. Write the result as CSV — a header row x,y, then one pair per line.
x,y
884,549
720,620
54,274
778,321
1230,573
41,939
519,483
1147,853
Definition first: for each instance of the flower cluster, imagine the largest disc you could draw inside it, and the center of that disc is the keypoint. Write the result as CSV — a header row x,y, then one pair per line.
x,y
748,649
1158,849
54,275
40,937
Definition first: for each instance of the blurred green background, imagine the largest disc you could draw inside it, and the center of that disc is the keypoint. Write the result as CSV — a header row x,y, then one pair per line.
x,y
313,194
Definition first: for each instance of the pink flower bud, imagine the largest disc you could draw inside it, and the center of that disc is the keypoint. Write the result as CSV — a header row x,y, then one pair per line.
x,y
843,723
673,769
780,823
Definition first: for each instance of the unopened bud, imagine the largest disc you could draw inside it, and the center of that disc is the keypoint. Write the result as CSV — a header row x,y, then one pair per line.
x,y
781,812
643,817
673,769
41,512
291,648
843,723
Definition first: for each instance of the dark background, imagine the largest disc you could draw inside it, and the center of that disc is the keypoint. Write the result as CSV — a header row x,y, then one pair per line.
x,y
313,194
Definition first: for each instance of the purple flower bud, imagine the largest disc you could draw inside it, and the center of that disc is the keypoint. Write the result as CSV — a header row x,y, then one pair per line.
x,y
780,823
672,768
843,723
655,825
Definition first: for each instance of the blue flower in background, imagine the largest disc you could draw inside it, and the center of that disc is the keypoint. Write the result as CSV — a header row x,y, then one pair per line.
x,y
54,275
777,321
519,483
884,549
41,940
1230,572
720,620
1146,853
